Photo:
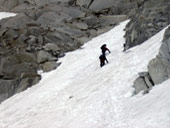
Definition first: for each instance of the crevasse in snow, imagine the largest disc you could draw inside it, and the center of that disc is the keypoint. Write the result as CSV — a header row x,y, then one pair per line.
x,y
80,94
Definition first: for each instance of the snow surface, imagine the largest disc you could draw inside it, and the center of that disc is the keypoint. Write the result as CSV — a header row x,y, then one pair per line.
x,y
80,94
6,15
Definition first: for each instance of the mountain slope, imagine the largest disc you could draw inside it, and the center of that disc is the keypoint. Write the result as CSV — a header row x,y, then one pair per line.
x,y
80,94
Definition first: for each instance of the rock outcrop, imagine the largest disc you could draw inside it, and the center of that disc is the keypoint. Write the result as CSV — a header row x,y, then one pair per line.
x,y
151,17
158,68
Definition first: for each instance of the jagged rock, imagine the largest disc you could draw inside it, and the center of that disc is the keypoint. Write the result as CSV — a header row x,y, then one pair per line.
x,y
165,47
103,30
98,5
7,88
22,7
8,3
43,56
31,39
35,31
50,19
140,85
27,80
49,66
10,34
158,70
91,21
53,48
83,3
152,3
84,39
112,19
148,21
18,21
72,32
12,66
80,25
74,12
24,57
148,82
143,83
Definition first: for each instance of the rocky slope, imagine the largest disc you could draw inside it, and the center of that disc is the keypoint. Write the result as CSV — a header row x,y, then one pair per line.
x,y
151,17
158,68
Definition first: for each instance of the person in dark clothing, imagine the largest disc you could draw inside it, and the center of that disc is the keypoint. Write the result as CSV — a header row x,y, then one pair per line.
x,y
103,56
102,60
104,49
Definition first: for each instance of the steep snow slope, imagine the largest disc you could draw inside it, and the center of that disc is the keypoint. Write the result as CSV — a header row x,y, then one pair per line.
x,y
80,94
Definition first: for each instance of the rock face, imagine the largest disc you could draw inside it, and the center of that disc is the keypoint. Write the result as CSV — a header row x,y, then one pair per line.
x,y
150,18
158,68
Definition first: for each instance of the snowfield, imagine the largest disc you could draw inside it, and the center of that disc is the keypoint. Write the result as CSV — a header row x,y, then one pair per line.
x,y
80,94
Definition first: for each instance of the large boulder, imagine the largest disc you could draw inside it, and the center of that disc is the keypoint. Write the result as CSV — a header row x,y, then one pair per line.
x,y
49,66
143,83
158,68
7,88
18,21
140,85
43,56
9,4
51,19
98,5
27,80
83,3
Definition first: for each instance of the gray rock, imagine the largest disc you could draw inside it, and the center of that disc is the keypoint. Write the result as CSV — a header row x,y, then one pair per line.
x,y
83,3
22,7
148,82
43,56
27,80
49,66
98,5
12,66
7,88
18,21
91,21
157,70
74,12
31,39
83,39
51,19
148,21
153,3
103,30
80,25
8,3
24,57
140,85
165,47
51,47
112,19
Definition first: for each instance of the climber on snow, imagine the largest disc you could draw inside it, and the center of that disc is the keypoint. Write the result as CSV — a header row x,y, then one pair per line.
x,y
102,57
